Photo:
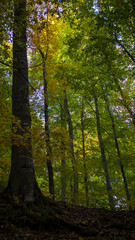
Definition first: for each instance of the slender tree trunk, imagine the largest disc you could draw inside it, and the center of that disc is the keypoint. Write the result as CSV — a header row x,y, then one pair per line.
x,y
63,161
117,148
119,156
84,160
47,134
125,102
22,181
107,177
69,121
133,5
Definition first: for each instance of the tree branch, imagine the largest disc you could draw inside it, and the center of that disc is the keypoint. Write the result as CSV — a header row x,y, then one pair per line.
x,y
125,49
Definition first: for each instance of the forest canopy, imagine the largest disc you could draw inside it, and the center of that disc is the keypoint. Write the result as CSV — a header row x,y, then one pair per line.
x,y
67,100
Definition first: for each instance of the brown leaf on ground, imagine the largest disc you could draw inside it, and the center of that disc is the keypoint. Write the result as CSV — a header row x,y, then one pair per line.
x,y
62,222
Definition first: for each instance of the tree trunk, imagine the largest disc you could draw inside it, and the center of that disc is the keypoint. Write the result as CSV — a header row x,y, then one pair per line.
x,y
119,156
125,102
22,183
84,160
63,161
69,121
133,5
47,134
107,177
118,150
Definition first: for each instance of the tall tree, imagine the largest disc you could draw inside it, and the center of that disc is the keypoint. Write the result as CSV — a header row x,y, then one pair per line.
x,y
47,134
107,177
22,181
126,101
63,158
70,127
117,149
84,156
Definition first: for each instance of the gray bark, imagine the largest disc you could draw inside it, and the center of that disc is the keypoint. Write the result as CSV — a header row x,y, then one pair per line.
x,y
117,146
47,134
125,102
22,181
63,161
133,4
119,157
84,159
70,127
101,145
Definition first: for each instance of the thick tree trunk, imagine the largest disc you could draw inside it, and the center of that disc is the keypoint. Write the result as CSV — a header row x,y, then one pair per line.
x,y
84,159
47,134
107,177
70,127
22,181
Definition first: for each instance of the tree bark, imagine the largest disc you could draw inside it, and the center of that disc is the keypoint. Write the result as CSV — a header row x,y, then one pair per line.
x,y
63,161
133,5
22,183
117,149
47,134
70,127
119,157
101,145
125,102
84,158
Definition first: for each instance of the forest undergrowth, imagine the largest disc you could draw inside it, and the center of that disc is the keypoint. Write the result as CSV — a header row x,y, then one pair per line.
x,y
58,221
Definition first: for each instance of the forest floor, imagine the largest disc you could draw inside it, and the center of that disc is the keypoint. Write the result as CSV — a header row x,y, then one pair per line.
x,y
61,222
